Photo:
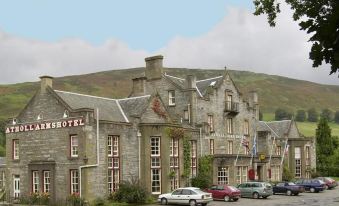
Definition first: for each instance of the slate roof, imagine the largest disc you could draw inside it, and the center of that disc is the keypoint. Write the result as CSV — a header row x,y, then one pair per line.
x,y
279,127
202,85
116,110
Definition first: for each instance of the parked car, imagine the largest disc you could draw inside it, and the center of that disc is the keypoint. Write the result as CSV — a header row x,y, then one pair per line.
x,y
329,182
255,189
224,192
186,196
312,185
288,188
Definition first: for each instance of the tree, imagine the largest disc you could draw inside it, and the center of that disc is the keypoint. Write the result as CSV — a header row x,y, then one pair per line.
x,y
318,18
336,117
281,114
325,146
328,114
312,115
301,116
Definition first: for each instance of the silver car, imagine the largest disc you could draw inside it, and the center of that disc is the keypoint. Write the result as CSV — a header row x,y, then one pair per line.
x,y
255,189
186,196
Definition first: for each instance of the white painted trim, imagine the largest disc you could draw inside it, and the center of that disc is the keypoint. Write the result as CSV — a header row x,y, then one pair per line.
x,y
198,91
122,111
174,77
138,97
209,79
105,98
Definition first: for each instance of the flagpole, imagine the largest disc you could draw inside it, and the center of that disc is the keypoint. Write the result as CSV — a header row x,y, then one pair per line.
x,y
283,156
254,146
236,159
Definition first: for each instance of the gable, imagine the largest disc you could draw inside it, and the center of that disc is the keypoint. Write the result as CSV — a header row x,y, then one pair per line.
x,y
45,105
155,112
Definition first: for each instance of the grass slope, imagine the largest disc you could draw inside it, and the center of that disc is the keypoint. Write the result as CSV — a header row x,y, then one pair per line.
x,y
273,91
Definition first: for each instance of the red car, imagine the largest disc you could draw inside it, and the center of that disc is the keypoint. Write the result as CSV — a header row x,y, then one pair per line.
x,y
330,183
224,192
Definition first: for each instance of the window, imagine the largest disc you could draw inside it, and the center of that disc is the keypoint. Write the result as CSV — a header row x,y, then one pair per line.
x,y
297,157
211,146
47,181
241,174
113,163
74,181
193,158
223,175
174,163
171,97
308,159
16,185
278,150
210,123
156,165
275,173
229,126
229,100
16,149
74,145
230,147
186,116
246,128
35,182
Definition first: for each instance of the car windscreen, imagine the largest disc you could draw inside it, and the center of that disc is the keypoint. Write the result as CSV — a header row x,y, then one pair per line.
x,y
197,191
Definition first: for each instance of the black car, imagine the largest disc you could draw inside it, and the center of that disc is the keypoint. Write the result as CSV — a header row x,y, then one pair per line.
x,y
312,185
288,188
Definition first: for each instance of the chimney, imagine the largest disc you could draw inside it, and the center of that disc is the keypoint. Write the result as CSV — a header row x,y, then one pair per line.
x,y
154,67
191,81
254,103
139,86
46,81
254,97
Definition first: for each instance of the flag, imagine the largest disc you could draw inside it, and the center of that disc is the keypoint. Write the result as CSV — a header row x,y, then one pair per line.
x,y
244,141
286,149
254,147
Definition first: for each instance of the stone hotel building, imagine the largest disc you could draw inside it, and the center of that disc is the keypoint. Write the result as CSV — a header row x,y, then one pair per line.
x,y
64,142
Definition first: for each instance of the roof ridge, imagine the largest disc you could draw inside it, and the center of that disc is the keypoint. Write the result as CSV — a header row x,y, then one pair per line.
x,y
128,98
209,79
174,77
277,121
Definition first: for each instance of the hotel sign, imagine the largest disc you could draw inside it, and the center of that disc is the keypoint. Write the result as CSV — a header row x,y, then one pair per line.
x,y
45,125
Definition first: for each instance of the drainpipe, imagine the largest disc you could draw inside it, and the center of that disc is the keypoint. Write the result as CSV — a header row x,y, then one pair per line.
x,y
200,136
95,165
139,145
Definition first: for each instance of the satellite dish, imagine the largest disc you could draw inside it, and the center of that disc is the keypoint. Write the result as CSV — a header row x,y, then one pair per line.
x,y
39,117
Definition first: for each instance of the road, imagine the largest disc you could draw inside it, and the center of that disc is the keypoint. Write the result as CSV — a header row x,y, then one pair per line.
x,y
325,198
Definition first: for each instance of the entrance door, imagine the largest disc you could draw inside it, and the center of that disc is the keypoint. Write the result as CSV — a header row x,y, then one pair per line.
x,y
16,184
259,173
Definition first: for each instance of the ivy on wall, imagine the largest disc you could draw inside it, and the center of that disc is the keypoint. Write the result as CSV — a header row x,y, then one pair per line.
x,y
156,107
187,157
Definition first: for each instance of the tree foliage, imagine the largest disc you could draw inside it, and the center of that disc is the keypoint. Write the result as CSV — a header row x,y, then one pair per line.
x,y
327,114
312,115
301,116
336,117
204,177
281,114
320,18
325,146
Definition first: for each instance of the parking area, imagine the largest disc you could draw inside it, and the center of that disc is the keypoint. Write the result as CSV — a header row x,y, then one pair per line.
x,y
325,198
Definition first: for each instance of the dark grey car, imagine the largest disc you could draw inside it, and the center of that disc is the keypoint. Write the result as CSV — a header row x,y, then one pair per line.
x,y
255,189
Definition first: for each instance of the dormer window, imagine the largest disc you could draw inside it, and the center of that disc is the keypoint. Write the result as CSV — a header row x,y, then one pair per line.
x,y
66,114
40,117
171,98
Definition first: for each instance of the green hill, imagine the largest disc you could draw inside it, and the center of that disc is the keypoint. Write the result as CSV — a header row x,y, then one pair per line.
x,y
273,91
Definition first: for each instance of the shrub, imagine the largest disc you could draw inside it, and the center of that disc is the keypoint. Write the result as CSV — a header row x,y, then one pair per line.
x,y
200,181
74,200
131,192
99,202
286,175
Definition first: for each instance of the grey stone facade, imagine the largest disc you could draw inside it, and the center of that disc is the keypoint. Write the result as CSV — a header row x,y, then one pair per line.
x,y
215,117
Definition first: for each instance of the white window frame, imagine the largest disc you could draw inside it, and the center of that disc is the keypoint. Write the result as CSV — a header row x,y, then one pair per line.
x,y
211,146
230,147
35,181
171,97
74,146
229,125
47,181
241,174
278,150
74,181
16,186
223,175
193,158
210,123
297,157
113,144
174,163
155,164
16,149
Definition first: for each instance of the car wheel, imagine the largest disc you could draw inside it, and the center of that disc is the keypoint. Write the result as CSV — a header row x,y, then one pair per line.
x,y
236,199
289,192
265,197
255,195
226,198
312,189
163,201
296,194
193,203
326,187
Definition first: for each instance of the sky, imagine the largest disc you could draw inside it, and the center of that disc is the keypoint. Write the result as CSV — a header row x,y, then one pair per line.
x,y
71,37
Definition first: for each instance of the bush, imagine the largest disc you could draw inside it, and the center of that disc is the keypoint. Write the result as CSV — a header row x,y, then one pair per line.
x,y
74,200
287,174
99,202
200,181
131,192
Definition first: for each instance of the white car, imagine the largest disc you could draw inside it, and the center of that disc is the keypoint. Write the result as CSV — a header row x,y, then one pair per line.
x,y
186,196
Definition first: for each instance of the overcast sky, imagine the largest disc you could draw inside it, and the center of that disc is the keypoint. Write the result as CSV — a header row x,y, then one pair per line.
x,y
59,38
